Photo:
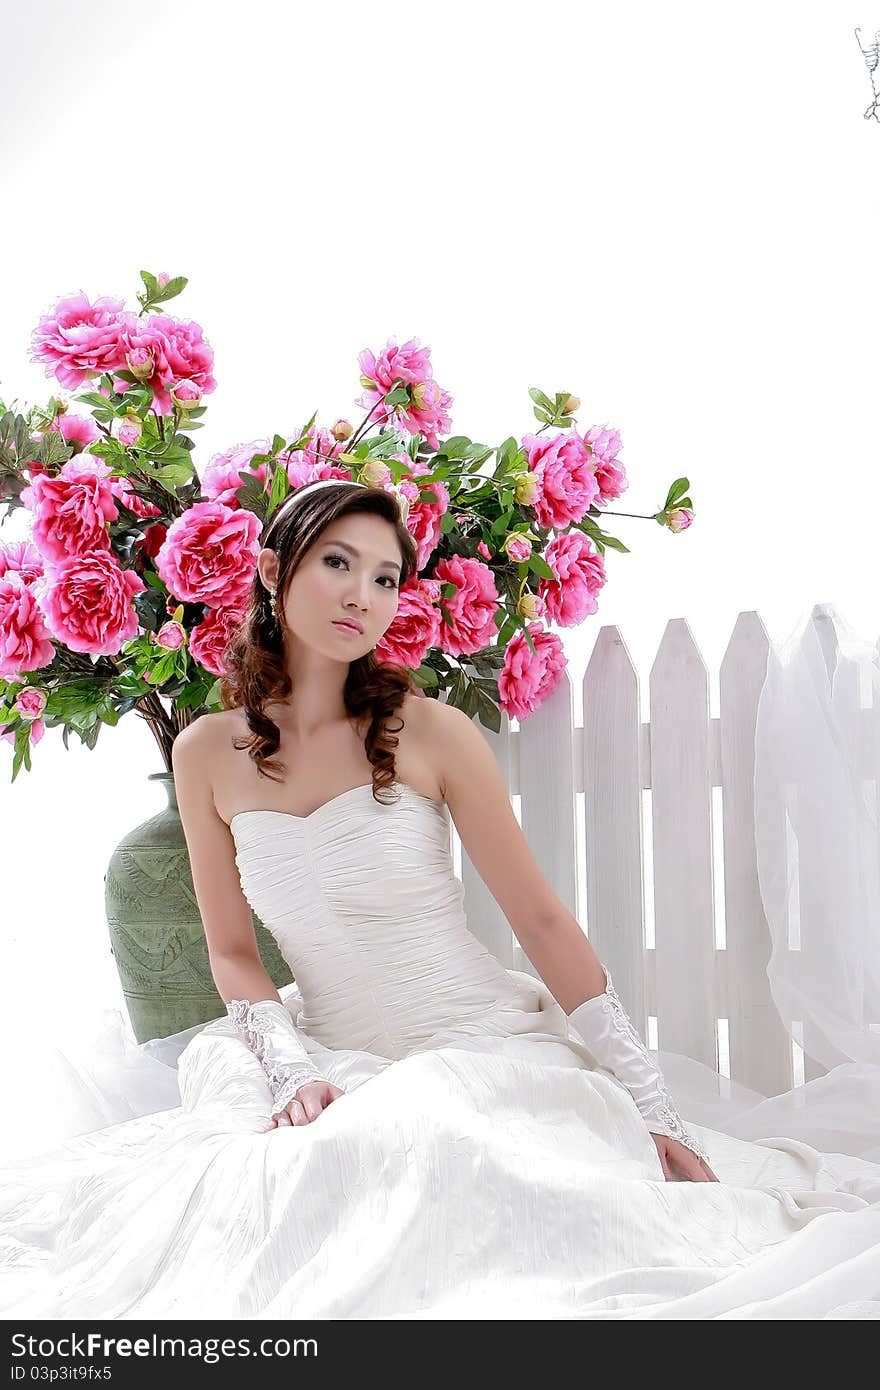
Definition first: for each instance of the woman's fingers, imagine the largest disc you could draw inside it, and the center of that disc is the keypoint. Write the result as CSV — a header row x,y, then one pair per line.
x,y
315,1098
664,1163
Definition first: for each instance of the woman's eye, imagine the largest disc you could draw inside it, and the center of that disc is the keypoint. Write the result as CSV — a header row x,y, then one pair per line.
x,y
328,558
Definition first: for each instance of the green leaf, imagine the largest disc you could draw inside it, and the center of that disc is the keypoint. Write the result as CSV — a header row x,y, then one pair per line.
x,y
176,474
538,565
457,447
678,489
280,487
616,544
540,399
170,291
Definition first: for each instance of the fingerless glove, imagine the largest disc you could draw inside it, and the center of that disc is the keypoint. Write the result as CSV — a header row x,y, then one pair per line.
x,y
609,1035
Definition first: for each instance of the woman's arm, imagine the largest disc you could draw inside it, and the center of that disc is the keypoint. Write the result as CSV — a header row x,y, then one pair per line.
x,y
252,1001
477,796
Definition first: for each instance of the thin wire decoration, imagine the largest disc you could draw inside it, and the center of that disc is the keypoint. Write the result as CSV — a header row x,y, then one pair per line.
x,y
871,55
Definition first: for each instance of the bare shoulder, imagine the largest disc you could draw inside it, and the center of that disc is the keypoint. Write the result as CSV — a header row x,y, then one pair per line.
x,y
446,733
197,749
202,733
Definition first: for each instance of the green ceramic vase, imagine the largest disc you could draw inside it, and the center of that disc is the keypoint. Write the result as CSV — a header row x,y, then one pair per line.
x,y
156,932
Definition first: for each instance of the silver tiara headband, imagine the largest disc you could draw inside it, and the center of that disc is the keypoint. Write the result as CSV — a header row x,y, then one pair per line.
x,y
402,499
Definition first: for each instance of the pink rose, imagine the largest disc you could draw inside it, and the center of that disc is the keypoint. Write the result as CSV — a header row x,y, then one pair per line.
x,y
580,574
128,430
22,556
483,549
472,607
210,554
74,429
140,362
316,460
71,510
122,491
178,349
376,473
427,413
424,521
77,340
518,547
185,394
410,365
30,702
610,472
25,643
525,681
221,480
564,469
209,640
87,602
171,636
679,519
415,628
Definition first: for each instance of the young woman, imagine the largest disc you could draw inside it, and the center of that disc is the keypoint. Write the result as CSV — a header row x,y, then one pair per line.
x,y
469,1138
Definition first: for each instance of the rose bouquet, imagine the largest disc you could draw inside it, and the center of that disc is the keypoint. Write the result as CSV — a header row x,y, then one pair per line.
x,y
136,570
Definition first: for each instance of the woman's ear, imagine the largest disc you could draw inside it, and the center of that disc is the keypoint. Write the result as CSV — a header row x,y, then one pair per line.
x,y
267,567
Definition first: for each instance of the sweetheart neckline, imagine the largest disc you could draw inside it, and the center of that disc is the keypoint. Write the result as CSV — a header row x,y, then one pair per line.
x,y
362,786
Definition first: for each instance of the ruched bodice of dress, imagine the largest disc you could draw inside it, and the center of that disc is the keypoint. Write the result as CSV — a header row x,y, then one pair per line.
x,y
363,901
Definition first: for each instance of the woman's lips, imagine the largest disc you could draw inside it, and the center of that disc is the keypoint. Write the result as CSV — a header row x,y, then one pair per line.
x,y
350,628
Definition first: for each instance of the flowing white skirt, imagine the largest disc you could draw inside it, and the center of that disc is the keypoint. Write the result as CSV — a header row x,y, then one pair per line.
x,y
501,1179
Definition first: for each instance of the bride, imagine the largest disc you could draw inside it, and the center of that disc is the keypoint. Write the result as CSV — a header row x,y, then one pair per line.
x,y
473,1142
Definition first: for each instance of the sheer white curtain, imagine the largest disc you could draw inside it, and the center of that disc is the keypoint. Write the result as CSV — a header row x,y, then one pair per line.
x,y
817,765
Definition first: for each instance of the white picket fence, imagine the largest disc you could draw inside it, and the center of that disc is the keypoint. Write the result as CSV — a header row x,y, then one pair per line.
x,y
686,980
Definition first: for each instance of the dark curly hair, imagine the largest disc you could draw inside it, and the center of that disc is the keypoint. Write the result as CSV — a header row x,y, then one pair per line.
x,y
254,659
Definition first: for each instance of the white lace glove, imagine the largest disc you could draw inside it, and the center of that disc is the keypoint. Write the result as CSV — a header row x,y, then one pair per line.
x,y
609,1035
269,1031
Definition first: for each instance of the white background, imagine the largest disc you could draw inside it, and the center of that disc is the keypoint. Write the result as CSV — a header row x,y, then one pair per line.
x,y
671,211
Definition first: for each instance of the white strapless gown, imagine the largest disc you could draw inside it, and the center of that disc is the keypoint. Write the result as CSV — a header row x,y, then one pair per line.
x,y
479,1165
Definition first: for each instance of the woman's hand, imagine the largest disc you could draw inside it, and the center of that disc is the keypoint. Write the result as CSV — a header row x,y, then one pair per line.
x,y
306,1105
675,1156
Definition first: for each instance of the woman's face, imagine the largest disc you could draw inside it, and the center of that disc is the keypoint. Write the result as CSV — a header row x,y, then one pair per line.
x,y
333,583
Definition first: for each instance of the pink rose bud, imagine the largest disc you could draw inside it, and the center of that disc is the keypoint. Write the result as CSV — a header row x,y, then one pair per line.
x,y
483,549
185,394
679,519
341,431
530,606
518,547
140,362
30,703
162,279
128,431
375,473
171,636
570,406
526,488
